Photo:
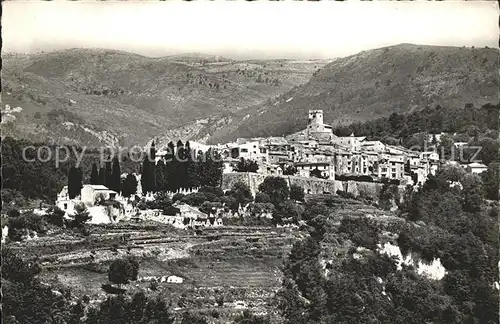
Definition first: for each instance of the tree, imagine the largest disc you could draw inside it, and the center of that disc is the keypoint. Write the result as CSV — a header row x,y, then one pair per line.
x,y
386,197
161,176
120,272
247,166
287,210
490,181
472,193
248,318
171,167
109,181
102,176
316,173
191,318
296,193
135,267
81,216
55,216
289,169
129,186
191,169
276,188
210,170
16,269
146,176
241,193
74,182
152,160
261,197
94,175
115,181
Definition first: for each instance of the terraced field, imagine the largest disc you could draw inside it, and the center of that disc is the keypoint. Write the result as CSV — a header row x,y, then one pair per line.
x,y
242,264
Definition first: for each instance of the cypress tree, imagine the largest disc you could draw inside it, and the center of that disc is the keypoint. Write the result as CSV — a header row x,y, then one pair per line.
x,y
191,169
107,170
94,175
181,165
129,186
146,176
171,168
115,175
74,182
161,176
152,160
102,176
71,183
211,171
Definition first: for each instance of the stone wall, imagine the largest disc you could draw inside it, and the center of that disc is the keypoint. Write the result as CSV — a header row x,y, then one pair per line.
x,y
253,180
310,185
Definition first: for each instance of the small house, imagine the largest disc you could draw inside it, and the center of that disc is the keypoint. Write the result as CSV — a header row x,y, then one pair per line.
x,y
175,279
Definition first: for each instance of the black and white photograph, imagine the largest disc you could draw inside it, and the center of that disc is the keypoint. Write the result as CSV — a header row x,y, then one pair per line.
x,y
250,162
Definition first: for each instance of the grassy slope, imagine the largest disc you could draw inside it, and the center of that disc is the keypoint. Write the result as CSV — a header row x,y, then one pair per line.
x,y
134,97
376,83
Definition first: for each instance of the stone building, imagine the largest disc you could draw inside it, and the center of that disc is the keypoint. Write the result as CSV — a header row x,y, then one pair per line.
x,y
316,128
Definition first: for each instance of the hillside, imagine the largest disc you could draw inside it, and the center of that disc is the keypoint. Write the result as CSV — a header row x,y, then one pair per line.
x,y
376,83
92,96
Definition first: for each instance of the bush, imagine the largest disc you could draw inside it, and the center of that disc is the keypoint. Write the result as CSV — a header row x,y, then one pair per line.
x,y
122,271
171,211
241,192
55,216
195,199
81,216
16,269
362,231
296,193
261,197
276,188
214,190
178,196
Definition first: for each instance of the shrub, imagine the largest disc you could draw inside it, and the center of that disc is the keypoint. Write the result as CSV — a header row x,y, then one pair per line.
x,y
195,199
261,197
296,193
55,216
276,188
214,190
178,196
122,271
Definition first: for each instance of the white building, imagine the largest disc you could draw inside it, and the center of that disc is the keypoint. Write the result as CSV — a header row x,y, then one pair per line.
x,y
326,169
353,143
92,193
373,146
175,279
476,167
429,156
250,151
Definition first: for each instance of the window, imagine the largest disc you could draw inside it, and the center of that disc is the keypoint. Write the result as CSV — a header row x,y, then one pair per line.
x,y
394,175
244,150
65,206
384,169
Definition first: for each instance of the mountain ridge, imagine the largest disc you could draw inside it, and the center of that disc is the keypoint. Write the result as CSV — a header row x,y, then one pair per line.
x,y
376,83
131,96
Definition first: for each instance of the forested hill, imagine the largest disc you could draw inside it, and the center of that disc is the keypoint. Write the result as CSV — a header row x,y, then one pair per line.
x,y
377,83
477,126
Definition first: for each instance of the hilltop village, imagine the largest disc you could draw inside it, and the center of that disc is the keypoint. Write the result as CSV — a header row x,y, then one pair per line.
x,y
314,160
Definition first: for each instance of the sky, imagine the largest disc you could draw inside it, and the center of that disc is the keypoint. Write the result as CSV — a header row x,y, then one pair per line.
x,y
244,30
